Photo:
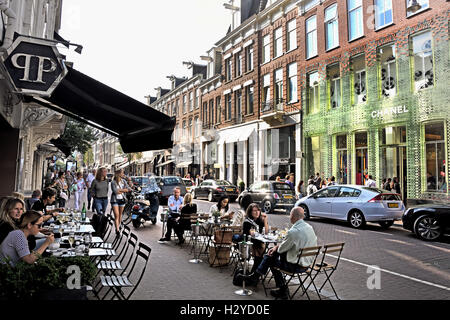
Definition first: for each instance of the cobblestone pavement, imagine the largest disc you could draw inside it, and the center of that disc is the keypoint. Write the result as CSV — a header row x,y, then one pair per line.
x,y
410,268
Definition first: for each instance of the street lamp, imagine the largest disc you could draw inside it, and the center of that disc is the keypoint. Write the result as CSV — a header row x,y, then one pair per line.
x,y
413,6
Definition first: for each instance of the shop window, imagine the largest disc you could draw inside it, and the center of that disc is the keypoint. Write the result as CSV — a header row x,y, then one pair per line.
x,y
331,27
359,79
361,157
313,92
278,87
423,61
388,70
435,157
334,85
383,13
311,37
342,161
249,91
292,83
292,35
278,42
266,49
355,19
315,161
393,154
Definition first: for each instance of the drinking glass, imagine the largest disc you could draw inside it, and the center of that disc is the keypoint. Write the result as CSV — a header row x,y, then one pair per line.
x,y
71,239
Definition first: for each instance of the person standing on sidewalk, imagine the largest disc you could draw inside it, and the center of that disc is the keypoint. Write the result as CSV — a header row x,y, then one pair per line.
x,y
119,188
62,189
89,179
81,186
99,191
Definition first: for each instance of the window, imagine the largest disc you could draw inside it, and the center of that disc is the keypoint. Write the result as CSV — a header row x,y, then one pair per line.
x,y
228,69
423,3
342,164
334,85
218,110
327,193
313,92
238,64
331,27
184,104
238,106
311,37
292,35
359,79
278,42
228,107
423,60
278,87
197,98
383,13
205,114
266,91
190,135
191,101
292,83
173,109
197,129
249,58
249,91
355,19
184,128
176,107
346,192
435,157
266,49
388,70
211,112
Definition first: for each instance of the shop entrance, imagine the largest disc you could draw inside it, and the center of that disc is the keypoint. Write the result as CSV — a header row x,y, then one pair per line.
x,y
362,166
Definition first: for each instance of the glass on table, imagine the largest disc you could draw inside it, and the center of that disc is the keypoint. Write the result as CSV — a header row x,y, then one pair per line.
x,y
71,239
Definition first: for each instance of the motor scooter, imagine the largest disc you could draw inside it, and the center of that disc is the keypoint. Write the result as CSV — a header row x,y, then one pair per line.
x,y
144,209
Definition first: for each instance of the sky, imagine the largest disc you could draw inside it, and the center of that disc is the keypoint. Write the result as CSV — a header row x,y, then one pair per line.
x,y
133,45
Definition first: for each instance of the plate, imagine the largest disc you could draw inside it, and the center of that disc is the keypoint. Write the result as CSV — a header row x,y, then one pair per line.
x,y
392,205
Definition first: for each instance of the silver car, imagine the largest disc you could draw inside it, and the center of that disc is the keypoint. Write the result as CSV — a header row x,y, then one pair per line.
x,y
355,204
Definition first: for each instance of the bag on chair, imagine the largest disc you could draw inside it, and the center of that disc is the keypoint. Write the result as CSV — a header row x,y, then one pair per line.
x,y
99,222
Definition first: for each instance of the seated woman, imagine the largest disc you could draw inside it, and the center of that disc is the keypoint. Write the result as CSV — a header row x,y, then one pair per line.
x,y
223,207
256,220
184,223
15,246
11,209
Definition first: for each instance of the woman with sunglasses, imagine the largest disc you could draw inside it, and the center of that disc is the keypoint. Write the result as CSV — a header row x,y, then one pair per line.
x,y
15,246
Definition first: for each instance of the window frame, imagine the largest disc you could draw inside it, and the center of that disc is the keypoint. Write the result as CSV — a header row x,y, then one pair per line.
x,y
292,98
249,58
313,34
278,42
291,32
266,49
350,11
377,14
413,62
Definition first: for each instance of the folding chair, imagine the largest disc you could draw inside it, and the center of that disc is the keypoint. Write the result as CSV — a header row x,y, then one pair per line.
x,y
221,243
303,275
328,268
130,279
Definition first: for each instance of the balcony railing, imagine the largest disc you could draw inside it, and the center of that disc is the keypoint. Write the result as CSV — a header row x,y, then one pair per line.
x,y
270,106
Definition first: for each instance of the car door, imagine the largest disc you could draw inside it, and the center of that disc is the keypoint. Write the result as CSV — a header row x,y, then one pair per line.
x,y
343,202
320,203
254,191
200,191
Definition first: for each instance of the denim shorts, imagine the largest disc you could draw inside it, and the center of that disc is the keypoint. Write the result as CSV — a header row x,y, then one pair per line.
x,y
118,203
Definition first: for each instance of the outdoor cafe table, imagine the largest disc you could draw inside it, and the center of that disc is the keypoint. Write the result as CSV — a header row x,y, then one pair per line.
x,y
84,228
93,252
208,228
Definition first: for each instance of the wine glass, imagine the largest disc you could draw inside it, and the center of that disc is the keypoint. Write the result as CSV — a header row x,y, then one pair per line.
x,y
71,239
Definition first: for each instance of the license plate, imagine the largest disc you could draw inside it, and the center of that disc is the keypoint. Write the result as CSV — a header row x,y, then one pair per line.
x,y
392,205
230,190
134,216
288,197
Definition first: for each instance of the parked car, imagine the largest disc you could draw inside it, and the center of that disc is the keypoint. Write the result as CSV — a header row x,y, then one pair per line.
x,y
189,184
355,204
140,181
429,222
213,189
271,195
167,184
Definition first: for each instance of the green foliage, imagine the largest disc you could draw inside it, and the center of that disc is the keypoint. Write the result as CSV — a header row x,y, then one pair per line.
x,y
27,281
78,136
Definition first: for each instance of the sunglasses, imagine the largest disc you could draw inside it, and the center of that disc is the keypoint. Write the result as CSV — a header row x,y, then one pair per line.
x,y
39,225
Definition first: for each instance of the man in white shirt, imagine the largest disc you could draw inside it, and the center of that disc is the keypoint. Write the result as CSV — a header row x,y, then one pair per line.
x,y
285,255
90,178
175,203
371,183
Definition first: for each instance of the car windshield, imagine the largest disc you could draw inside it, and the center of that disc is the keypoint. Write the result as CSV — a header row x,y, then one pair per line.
x,y
171,181
188,183
223,183
376,190
281,186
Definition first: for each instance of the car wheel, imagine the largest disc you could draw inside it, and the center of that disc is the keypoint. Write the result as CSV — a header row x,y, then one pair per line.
x,y
210,197
356,219
427,228
306,210
386,224
193,195
267,207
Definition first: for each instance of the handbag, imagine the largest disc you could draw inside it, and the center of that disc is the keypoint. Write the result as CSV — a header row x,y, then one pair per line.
x,y
63,195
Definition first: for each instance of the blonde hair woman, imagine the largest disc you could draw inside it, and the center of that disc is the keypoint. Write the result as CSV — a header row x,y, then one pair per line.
x,y
184,223
11,210
118,199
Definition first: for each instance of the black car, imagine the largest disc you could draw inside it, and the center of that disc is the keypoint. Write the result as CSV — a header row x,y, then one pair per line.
x,y
214,189
428,222
270,195
167,184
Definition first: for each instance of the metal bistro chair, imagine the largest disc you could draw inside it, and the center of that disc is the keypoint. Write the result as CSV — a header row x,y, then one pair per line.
x,y
328,268
221,244
303,275
128,279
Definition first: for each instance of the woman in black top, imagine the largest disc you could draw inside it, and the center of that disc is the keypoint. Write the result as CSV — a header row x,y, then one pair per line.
x,y
184,223
257,220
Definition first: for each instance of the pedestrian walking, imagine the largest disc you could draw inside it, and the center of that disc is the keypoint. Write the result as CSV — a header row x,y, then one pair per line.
x,y
81,186
62,189
311,187
118,199
370,182
90,178
99,191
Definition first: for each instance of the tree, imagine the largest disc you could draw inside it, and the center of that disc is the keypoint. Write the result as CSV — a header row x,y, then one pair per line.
x,y
79,136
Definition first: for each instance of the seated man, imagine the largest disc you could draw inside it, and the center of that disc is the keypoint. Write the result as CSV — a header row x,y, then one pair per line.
x,y
175,204
47,199
284,255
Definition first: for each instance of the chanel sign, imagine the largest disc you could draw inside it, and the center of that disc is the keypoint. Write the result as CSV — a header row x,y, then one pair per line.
x,y
34,66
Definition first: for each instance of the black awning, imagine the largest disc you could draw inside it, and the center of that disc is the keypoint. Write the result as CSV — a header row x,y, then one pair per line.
x,y
138,126
61,145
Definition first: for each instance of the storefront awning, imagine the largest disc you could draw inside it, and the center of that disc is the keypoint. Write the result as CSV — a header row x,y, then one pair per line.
x,y
241,133
165,163
126,164
61,145
184,164
138,127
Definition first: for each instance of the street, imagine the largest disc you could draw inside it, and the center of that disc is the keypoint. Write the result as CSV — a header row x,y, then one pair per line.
x,y
410,268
